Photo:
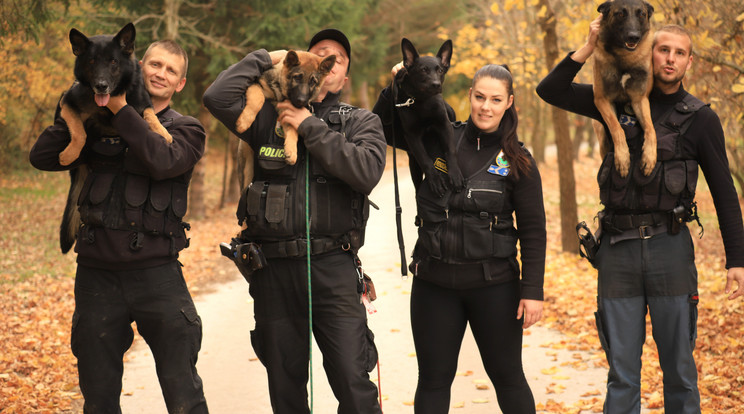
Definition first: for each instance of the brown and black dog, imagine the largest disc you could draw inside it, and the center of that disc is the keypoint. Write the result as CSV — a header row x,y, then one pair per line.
x,y
623,73
298,77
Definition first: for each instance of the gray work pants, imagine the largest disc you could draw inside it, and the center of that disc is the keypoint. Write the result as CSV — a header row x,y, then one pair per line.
x,y
657,276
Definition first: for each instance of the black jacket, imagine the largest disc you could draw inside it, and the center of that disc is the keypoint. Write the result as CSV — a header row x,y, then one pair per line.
x,y
703,141
476,152
161,160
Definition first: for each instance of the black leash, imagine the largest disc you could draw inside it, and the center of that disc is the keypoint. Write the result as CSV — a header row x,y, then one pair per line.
x,y
398,209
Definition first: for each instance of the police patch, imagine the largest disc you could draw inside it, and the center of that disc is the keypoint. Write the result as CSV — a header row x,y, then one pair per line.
x,y
278,130
271,153
441,165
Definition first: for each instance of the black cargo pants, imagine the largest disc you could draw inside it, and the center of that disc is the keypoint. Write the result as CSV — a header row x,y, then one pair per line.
x,y
106,304
281,335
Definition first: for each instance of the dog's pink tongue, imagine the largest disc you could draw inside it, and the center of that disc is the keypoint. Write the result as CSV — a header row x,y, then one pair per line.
x,y
102,99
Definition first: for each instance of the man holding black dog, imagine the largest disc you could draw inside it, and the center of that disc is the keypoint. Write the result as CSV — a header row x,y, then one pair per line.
x,y
645,258
131,206
341,158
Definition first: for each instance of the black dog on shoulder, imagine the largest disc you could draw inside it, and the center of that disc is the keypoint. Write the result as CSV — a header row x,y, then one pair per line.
x,y
105,66
423,112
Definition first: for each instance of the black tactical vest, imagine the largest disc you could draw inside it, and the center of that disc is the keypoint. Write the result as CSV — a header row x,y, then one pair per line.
x,y
472,225
119,194
273,206
672,182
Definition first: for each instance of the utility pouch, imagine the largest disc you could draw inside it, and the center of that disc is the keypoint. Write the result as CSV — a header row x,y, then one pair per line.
x,y
588,243
248,257
676,218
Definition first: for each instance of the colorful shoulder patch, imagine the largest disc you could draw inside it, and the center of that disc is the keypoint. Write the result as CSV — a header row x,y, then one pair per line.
x,y
501,167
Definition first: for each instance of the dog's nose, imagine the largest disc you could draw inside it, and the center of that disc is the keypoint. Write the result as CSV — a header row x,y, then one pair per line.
x,y
634,37
101,87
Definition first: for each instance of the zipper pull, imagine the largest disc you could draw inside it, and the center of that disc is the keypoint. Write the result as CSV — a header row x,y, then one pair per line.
x,y
470,193
446,213
478,144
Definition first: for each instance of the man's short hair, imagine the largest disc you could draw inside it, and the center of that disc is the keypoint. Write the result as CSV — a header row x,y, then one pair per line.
x,y
675,29
171,47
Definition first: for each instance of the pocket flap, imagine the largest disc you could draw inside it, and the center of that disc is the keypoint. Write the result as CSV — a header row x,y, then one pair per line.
x,y
136,190
101,188
160,195
275,202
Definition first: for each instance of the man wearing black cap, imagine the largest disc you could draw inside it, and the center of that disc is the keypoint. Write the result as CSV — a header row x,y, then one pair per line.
x,y
341,158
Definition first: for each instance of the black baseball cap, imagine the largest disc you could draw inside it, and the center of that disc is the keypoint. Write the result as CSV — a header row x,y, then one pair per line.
x,y
335,35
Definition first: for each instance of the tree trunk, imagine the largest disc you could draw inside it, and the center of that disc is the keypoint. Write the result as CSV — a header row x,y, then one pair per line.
x,y
568,209
538,137
363,97
197,207
232,193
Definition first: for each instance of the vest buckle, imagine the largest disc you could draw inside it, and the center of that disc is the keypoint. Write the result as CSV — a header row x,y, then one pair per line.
x,y
643,232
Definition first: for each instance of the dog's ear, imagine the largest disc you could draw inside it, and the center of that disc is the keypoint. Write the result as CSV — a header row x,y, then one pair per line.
x,y
291,59
125,39
327,64
604,8
79,42
649,9
445,54
409,52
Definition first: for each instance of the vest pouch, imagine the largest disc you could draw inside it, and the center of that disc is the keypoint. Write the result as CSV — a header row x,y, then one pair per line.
x,y
267,211
154,214
666,144
649,186
98,190
431,208
612,187
484,196
477,237
276,203
675,180
135,194
692,177
429,240
179,199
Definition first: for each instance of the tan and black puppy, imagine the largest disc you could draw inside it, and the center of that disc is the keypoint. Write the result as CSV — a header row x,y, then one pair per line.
x,y
623,73
297,78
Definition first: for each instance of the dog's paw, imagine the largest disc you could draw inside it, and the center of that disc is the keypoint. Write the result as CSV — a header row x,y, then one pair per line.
x,y
290,157
456,179
245,120
437,183
648,158
69,155
622,160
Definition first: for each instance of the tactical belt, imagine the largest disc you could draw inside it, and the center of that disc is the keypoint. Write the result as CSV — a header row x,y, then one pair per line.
x,y
622,222
298,247
635,226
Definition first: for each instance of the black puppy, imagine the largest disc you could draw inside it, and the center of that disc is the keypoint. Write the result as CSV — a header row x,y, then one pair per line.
x,y
423,112
105,66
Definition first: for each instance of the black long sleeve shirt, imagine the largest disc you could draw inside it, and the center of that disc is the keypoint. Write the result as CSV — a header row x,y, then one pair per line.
x,y
703,142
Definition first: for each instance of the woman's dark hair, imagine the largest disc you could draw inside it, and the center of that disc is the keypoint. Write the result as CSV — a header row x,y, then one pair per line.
x,y
510,142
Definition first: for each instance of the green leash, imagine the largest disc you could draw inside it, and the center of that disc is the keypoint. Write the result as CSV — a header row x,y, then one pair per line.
x,y
309,280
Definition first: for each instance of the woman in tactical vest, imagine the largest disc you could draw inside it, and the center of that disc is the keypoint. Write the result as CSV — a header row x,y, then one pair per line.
x,y
465,260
